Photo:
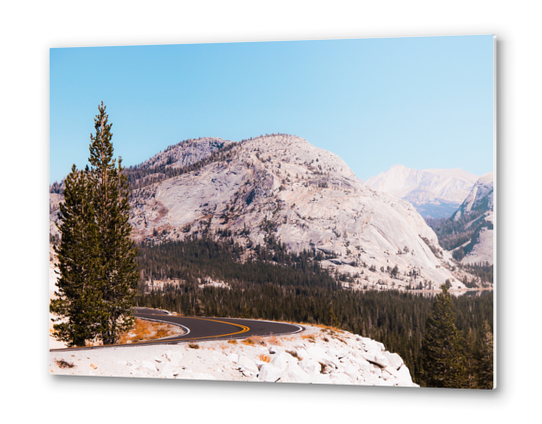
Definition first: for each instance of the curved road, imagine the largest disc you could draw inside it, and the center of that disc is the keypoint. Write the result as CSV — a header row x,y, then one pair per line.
x,y
207,328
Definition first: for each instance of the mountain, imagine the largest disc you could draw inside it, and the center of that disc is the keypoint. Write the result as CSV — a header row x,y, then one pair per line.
x,y
435,193
468,233
480,198
279,190
477,210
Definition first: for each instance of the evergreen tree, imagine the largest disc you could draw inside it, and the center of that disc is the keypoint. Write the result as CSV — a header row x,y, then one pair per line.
x,y
333,321
443,357
117,270
471,364
485,359
77,297
98,273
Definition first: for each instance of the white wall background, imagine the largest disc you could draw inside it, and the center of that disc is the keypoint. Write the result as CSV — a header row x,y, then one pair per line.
x,y
29,29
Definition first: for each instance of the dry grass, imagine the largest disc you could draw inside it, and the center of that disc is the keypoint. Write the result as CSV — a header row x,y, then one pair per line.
x,y
232,341
265,358
310,338
259,340
253,341
148,330
193,346
273,340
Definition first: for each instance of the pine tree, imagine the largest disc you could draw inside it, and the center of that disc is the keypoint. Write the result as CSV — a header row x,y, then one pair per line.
x,y
470,360
117,269
333,321
98,273
485,359
77,297
443,357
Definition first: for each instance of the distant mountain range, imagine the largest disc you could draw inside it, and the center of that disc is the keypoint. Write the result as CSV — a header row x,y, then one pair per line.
x,y
280,187
456,204
435,193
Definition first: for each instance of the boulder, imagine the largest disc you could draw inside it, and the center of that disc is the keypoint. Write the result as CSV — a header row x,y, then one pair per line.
x,y
269,373
295,374
247,364
310,366
281,361
376,358
394,360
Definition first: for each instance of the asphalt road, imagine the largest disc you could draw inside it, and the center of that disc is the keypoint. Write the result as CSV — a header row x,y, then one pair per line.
x,y
207,328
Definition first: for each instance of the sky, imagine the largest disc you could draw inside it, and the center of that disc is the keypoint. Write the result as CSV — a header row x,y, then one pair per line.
x,y
423,102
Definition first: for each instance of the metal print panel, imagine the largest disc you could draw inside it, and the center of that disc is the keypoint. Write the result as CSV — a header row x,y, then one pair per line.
x,y
280,212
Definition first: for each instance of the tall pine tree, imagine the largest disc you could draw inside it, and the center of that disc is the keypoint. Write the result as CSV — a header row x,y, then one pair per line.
x,y
443,356
98,272
117,269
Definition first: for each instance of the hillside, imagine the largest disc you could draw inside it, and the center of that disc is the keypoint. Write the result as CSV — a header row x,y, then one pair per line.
x,y
281,190
306,198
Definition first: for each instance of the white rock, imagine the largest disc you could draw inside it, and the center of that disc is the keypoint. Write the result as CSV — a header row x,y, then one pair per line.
x,y
403,374
377,358
296,375
247,364
281,360
394,360
269,373
149,365
318,353
310,366
353,372
340,378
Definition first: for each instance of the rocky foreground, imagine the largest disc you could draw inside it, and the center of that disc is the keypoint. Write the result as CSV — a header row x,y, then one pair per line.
x,y
319,355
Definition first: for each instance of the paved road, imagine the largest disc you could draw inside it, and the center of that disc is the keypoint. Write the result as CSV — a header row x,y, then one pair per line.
x,y
207,328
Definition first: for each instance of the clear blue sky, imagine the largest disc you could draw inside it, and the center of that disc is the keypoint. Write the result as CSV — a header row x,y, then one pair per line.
x,y
423,102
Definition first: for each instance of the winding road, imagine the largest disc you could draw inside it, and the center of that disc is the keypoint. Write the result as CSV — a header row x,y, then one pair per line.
x,y
207,328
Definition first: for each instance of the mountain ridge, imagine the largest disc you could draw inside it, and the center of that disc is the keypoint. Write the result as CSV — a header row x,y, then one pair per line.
x,y
434,192
281,187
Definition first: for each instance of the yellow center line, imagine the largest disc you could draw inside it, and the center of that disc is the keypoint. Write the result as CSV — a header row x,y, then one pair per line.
x,y
244,329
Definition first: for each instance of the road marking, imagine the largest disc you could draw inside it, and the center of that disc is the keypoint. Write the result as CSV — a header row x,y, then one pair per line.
x,y
244,329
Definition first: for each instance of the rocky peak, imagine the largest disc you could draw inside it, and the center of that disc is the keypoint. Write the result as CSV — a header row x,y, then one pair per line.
x,y
480,198
304,197
185,153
